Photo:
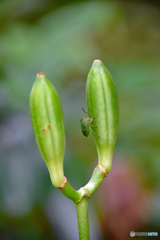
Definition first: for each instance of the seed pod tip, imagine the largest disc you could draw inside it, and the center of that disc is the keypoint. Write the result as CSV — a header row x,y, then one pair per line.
x,y
40,74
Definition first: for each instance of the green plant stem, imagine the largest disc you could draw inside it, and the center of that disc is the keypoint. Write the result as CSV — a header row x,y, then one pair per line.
x,y
69,192
94,183
82,216
96,180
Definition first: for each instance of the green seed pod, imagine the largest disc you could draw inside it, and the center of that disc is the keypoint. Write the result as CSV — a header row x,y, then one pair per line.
x,y
102,103
48,126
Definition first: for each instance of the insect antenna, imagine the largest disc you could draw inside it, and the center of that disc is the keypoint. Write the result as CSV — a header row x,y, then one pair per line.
x,y
84,110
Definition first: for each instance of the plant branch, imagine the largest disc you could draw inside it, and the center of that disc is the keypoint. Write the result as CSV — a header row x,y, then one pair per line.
x,y
70,192
95,181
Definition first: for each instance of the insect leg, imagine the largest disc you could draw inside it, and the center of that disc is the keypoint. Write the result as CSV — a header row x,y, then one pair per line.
x,y
93,126
93,132
90,120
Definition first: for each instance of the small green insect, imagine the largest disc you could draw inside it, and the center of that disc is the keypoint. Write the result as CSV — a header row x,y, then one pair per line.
x,y
86,126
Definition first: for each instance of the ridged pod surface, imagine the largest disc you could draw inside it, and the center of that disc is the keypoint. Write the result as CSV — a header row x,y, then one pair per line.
x,y
102,103
48,126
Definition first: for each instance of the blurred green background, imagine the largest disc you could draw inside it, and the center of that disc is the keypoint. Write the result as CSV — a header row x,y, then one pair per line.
x,y
61,39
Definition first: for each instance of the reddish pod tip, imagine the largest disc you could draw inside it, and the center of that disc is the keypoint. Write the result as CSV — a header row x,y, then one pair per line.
x,y
40,74
97,60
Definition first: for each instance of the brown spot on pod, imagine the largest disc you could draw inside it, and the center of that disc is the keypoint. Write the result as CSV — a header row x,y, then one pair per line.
x,y
48,126
44,130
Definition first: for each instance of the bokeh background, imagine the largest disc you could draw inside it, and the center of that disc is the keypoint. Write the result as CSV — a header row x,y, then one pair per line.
x,y
61,39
